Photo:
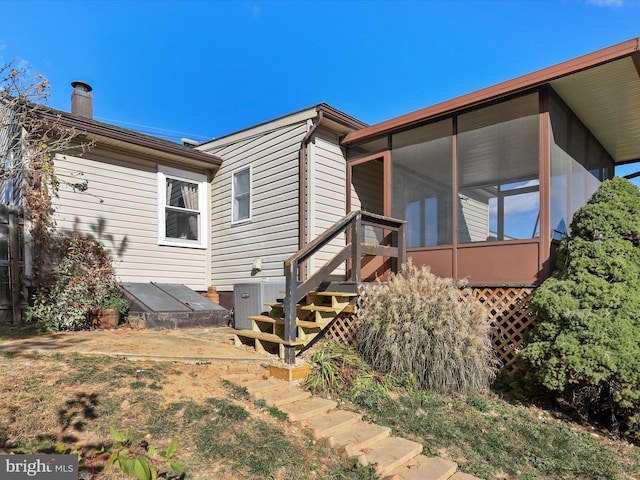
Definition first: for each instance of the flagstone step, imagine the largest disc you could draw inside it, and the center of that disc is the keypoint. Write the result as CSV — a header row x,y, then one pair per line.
x,y
307,408
394,458
463,476
389,453
278,398
324,425
355,438
242,378
425,468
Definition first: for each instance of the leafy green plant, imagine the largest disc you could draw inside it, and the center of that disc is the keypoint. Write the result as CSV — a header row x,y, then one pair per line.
x,y
135,457
417,323
115,301
585,344
337,370
82,281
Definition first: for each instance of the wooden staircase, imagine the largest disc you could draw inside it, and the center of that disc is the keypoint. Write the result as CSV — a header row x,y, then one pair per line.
x,y
313,315
308,305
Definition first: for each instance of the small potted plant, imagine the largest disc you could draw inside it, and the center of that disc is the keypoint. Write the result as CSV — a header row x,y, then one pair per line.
x,y
107,315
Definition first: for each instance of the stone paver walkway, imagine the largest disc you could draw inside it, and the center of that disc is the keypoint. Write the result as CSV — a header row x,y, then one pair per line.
x,y
394,458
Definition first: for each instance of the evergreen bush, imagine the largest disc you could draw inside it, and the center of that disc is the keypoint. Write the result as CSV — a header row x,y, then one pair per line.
x,y
422,325
586,344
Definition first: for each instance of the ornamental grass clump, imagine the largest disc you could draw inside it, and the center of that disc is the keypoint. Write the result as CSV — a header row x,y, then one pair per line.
x,y
430,327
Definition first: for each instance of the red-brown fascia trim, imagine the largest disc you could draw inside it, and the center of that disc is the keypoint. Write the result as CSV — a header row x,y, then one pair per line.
x,y
337,116
133,138
515,85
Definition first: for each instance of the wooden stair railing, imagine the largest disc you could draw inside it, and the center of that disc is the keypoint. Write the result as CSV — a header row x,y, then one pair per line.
x,y
353,225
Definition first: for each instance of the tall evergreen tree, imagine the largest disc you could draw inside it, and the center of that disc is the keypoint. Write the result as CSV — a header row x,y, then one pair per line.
x,y
587,341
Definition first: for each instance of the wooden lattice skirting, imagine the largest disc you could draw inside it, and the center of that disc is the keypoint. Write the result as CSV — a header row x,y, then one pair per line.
x,y
342,328
509,315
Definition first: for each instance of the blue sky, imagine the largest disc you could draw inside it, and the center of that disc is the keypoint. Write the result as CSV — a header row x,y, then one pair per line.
x,y
202,69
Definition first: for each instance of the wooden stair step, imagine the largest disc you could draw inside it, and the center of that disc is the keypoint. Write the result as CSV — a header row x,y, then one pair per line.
x,y
280,321
267,337
278,398
389,454
324,425
424,468
336,294
307,408
262,318
354,438
321,308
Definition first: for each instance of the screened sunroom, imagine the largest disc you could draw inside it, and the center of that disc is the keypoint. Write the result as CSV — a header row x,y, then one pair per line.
x,y
487,182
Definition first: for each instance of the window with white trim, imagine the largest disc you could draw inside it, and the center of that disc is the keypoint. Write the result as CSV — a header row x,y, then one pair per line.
x,y
182,212
241,195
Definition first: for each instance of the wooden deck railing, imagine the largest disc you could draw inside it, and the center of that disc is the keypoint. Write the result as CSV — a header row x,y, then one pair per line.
x,y
353,225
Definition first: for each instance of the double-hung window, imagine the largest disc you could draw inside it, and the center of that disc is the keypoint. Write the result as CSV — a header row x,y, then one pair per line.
x,y
241,195
182,208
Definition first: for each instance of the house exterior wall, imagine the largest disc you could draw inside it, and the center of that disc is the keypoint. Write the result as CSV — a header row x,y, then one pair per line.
x,y
120,208
270,235
326,194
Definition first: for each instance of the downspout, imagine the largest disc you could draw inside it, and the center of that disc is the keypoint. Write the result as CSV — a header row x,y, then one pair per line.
x,y
302,188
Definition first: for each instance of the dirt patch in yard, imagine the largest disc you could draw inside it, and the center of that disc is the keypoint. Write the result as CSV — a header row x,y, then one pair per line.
x,y
73,400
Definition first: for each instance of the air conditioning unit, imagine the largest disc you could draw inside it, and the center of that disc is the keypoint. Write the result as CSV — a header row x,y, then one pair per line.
x,y
250,299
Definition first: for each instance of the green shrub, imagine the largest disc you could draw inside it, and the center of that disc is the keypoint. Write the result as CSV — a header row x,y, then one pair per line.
x,y
587,341
338,371
82,281
417,323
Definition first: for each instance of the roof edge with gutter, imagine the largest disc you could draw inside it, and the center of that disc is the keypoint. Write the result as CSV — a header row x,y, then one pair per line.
x,y
288,119
104,130
508,87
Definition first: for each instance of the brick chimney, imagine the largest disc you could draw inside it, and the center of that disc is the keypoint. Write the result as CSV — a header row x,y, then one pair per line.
x,y
82,99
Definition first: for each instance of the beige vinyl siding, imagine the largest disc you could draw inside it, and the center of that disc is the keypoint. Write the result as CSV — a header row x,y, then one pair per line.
x,y
120,208
475,216
327,193
271,234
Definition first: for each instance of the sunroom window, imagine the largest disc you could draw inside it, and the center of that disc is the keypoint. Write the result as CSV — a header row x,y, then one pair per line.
x,y
182,207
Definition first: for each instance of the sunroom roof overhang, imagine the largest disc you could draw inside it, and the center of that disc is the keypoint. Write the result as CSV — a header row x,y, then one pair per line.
x,y
602,88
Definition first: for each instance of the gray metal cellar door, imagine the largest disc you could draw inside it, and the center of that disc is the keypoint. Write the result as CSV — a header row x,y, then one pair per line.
x,y
12,289
171,305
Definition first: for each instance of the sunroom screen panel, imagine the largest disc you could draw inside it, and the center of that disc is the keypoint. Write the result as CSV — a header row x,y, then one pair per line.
x,y
498,171
421,182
